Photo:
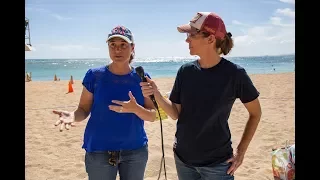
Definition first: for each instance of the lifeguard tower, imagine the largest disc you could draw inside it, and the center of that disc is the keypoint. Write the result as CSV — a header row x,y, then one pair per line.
x,y
28,46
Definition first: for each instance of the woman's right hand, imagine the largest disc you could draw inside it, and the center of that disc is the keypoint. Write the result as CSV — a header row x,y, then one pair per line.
x,y
66,119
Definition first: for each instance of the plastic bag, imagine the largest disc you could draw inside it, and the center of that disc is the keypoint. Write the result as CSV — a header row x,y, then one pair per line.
x,y
283,163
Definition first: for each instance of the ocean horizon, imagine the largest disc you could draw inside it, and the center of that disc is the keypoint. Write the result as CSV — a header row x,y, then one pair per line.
x,y
157,67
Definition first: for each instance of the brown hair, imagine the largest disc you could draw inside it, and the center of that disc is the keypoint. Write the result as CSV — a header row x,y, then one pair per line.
x,y
132,55
224,45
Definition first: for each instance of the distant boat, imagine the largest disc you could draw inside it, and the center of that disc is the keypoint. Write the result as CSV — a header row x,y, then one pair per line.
x,y
27,46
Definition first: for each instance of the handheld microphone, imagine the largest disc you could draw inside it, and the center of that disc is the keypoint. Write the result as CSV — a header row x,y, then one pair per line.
x,y
140,72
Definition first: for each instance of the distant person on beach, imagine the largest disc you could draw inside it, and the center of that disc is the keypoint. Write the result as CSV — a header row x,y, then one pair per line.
x,y
202,97
114,139
28,77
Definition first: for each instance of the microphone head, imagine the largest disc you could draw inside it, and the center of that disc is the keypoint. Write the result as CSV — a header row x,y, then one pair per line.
x,y
140,71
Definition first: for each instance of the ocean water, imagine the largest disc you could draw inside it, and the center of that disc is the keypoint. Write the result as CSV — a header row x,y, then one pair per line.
x,y
45,69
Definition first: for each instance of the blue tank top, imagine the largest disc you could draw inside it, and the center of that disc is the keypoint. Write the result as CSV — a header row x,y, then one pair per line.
x,y
107,130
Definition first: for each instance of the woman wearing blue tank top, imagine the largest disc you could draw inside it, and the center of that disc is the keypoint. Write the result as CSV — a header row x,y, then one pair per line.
x,y
114,139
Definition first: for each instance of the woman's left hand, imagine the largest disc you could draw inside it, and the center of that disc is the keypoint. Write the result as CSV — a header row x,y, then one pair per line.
x,y
125,106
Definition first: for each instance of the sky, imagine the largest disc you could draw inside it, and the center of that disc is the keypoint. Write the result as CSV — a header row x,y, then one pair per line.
x,y
79,28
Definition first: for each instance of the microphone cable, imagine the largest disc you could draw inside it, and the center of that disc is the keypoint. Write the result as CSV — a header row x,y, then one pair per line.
x,y
163,161
141,74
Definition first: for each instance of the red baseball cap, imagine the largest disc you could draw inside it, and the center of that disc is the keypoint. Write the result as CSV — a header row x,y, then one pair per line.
x,y
205,21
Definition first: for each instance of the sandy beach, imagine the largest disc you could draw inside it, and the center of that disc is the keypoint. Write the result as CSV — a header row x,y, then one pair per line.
x,y
54,155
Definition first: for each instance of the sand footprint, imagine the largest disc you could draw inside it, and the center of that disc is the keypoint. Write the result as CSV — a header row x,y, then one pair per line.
x,y
252,171
37,142
82,175
44,149
64,144
57,170
32,165
79,165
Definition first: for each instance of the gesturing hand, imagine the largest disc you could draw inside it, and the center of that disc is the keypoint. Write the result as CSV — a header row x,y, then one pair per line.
x,y
125,106
66,119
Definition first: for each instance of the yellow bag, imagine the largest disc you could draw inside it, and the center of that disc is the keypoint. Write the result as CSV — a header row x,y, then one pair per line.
x,y
162,113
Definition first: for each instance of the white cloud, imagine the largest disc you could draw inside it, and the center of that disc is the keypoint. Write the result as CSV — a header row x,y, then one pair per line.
x,y
61,18
67,47
270,2
245,40
286,12
236,22
259,31
46,11
277,36
172,48
65,51
288,1
71,47
254,35
41,10
277,21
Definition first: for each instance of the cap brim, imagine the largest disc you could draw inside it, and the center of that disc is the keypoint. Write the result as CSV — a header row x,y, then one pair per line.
x,y
186,28
120,36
